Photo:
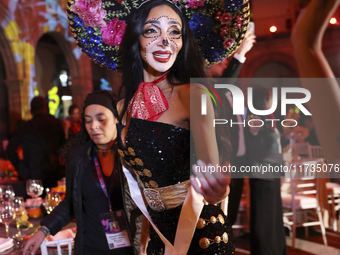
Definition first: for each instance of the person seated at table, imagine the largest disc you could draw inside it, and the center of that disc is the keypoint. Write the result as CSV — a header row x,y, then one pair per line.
x,y
92,166
312,138
72,124
298,132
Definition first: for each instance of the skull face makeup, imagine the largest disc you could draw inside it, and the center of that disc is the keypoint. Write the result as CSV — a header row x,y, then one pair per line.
x,y
161,39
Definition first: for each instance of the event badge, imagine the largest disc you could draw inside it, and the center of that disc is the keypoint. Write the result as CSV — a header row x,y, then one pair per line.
x,y
116,229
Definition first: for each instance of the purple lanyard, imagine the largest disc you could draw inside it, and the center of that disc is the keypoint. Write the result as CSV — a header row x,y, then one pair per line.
x,y
101,180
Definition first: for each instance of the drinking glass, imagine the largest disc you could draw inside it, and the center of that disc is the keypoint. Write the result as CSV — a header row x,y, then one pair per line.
x,y
8,193
51,201
19,209
7,214
34,189
2,192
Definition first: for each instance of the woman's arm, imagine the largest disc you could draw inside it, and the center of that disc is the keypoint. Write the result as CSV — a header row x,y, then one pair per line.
x,y
67,125
325,102
214,185
63,213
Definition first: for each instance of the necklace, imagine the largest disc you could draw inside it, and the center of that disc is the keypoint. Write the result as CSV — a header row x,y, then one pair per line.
x,y
104,152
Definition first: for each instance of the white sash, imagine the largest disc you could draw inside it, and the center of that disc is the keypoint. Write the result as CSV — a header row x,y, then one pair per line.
x,y
190,213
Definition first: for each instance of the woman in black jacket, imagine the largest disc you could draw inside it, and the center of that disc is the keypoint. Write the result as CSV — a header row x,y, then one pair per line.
x,y
92,166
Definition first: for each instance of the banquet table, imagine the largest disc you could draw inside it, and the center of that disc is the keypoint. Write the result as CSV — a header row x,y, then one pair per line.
x,y
18,247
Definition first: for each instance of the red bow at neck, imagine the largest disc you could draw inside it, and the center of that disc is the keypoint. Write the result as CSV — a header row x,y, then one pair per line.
x,y
149,102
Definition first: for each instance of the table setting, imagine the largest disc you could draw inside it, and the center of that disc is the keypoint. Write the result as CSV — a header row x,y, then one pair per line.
x,y
20,219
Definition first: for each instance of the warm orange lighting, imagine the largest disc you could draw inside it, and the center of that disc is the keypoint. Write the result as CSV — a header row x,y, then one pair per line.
x,y
333,21
273,29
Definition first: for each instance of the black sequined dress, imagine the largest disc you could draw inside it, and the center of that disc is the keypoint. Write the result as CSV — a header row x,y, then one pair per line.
x,y
160,154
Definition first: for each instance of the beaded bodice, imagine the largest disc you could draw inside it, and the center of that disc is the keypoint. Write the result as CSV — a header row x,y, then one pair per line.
x,y
158,152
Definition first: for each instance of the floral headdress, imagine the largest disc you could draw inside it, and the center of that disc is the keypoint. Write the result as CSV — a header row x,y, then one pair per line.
x,y
99,26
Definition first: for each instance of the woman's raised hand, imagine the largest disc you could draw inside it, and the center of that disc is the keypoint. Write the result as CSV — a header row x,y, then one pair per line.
x,y
214,184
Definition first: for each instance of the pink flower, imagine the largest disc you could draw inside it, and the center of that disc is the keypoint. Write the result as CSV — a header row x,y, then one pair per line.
x,y
228,43
90,11
226,18
114,31
224,30
194,4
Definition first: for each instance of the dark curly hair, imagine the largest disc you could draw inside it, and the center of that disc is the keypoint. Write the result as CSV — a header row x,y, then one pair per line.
x,y
188,64
82,136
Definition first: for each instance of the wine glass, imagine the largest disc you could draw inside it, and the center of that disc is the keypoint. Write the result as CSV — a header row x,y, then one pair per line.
x,y
19,209
8,193
34,189
51,201
7,214
2,192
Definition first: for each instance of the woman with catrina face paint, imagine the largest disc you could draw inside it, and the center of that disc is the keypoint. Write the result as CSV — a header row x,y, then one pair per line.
x,y
159,58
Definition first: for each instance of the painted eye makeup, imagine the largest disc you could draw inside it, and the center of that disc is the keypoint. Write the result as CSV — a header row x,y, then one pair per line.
x,y
151,31
174,32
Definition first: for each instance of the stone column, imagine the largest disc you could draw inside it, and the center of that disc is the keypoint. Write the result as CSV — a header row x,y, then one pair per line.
x,y
14,102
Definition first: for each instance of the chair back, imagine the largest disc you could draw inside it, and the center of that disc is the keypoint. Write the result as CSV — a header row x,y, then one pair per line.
x,y
303,179
301,148
315,152
305,187
57,243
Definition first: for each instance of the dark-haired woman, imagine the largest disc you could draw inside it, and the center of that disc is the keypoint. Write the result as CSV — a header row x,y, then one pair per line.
x,y
159,58
73,124
92,166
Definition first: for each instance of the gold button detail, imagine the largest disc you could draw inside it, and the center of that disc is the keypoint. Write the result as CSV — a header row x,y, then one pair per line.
x,y
213,219
220,219
121,153
139,161
205,202
217,239
147,172
225,237
153,184
139,173
146,185
131,151
132,162
201,223
204,243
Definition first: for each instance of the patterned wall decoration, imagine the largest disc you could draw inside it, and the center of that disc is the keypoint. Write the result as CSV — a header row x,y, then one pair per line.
x,y
23,23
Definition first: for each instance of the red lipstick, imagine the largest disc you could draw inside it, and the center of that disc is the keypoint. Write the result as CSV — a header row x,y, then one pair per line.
x,y
162,56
